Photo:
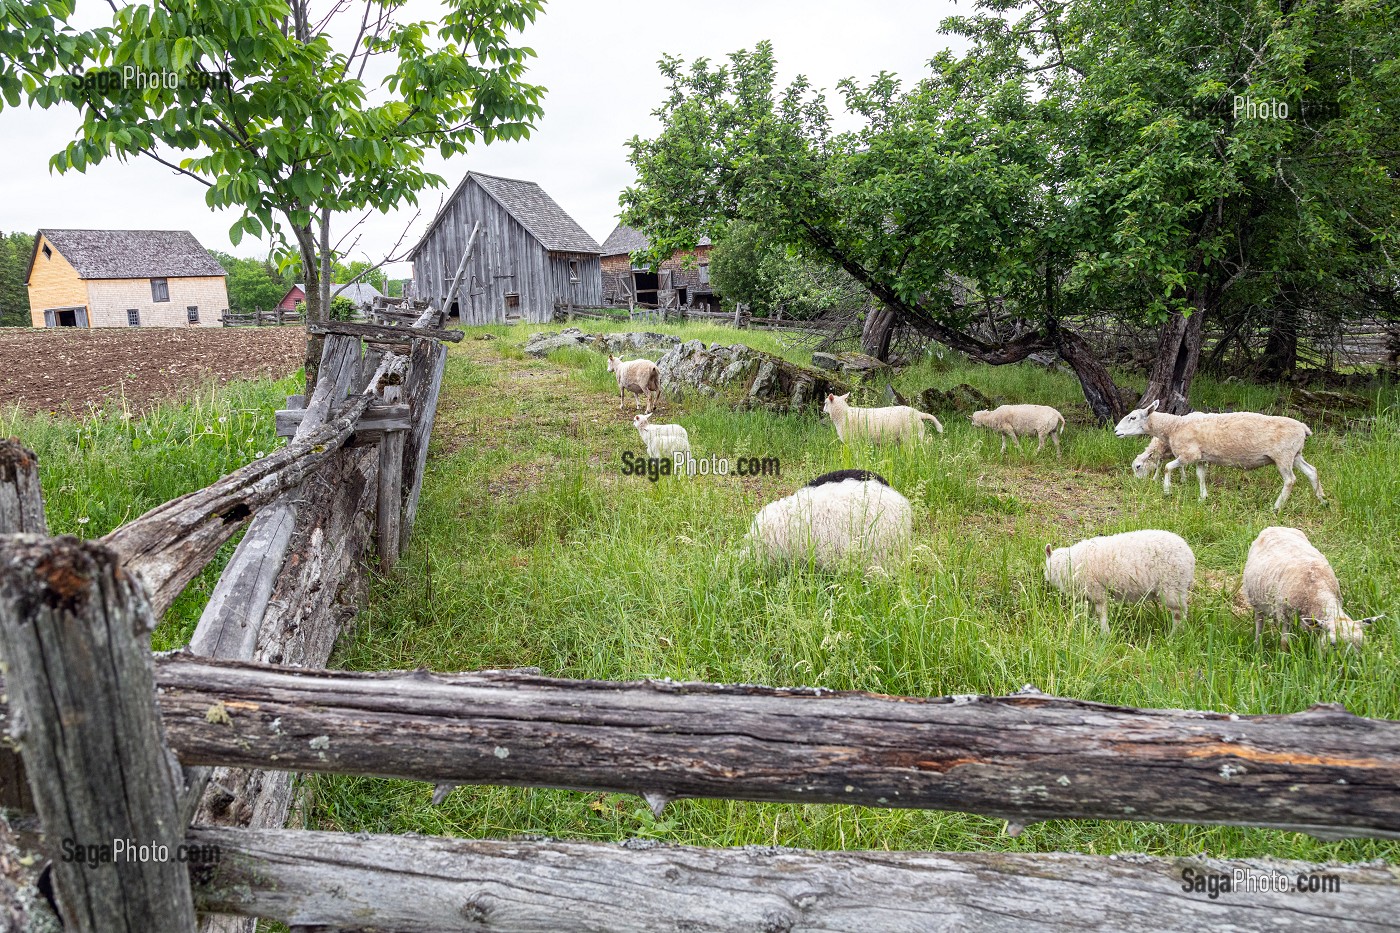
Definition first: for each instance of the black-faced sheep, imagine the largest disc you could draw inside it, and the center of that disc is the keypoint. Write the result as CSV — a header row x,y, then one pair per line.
x,y
836,519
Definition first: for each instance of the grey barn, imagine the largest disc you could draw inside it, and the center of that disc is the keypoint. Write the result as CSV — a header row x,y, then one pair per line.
x,y
528,256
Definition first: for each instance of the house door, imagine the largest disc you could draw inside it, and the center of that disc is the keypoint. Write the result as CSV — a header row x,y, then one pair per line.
x,y
512,307
66,317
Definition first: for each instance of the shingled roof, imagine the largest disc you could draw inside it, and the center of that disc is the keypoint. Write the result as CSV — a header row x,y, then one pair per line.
x,y
536,211
132,254
625,239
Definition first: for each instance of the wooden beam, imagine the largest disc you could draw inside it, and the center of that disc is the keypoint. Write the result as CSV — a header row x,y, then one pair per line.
x,y
461,267
393,417
75,626
422,386
415,884
388,507
379,333
1022,758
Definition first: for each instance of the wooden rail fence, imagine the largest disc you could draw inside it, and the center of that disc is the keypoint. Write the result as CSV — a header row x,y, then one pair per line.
x,y
191,753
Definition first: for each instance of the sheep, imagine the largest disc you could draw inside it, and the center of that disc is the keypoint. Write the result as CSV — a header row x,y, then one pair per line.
x,y
1014,420
834,519
639,376
1129,566
894,423
1241,439
1286,577
661,440
1147,463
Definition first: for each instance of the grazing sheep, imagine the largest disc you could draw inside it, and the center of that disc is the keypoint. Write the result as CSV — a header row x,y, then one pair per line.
x,y
834,519
1285,577
639,376
1147,463
894,423
661,440
837,476
1129,566
1014,420
1242,439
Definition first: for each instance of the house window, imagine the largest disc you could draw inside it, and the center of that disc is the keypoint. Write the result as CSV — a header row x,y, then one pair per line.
x,y
192,314
573,270
160,290
48,253
704,273
133,317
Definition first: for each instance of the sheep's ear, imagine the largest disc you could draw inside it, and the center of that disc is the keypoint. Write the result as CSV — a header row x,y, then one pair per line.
x,y
844,397
1049,549
1153,407
1370,620
1307,622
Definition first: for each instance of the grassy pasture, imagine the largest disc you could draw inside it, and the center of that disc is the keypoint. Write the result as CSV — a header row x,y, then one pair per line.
x,y
533,549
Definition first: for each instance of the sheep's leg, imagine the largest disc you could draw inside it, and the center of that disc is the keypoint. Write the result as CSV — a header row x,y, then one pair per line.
x,y
1040,446
1054,436
621,397
1102,607
1003,443
1258,626
1310,472
1167,477
1015,439
1176,619
1200,477
1286,471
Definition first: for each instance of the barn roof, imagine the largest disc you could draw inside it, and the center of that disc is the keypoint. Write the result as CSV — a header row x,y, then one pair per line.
x,y
625,239
131,254
536,211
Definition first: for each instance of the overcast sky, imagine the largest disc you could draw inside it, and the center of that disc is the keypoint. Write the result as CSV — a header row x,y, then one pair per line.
x,y
596,57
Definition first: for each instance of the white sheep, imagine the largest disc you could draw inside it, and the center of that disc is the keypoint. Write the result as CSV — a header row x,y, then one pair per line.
x,y
893,423
1285,577
1147,463
639,376
661,440
846,516
1131,566
1014,420
1242,439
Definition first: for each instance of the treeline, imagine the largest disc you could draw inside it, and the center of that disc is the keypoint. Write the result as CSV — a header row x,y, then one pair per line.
x,y
1104,159
15,250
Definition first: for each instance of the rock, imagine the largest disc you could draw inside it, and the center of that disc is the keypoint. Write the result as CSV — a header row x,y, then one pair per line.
x,y
961,398
751,378
892,396
857,366
544,343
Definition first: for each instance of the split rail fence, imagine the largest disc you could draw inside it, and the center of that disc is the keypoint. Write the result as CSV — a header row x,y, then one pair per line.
x,y
194,751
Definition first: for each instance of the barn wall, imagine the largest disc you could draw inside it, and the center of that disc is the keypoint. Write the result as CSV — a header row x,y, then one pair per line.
x,y
109,300
587,292
53,283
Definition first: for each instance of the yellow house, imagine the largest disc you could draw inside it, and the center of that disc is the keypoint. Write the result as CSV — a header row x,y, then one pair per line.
x,y
124,278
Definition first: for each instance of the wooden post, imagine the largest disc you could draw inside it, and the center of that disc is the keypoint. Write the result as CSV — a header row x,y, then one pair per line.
x,y
74,626
21,510
389,508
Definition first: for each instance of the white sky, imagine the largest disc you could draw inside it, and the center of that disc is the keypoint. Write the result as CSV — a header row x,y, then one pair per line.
x,y
596,57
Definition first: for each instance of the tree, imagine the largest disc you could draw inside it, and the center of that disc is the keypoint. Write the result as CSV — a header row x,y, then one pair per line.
x,y
271,116
745,266
253,284
1084,158
15,252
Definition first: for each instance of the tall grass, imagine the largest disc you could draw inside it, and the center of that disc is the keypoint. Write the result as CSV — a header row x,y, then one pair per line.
x,y
105,468
533,549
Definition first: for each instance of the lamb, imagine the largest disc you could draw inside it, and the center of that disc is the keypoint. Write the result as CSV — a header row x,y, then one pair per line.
x,y
1242,439
639,376
1286,577
894,423
1147,463
835,519
1129,566
1014,420
661,440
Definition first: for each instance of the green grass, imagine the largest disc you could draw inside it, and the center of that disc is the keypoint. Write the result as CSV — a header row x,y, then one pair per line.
x,y
106,468
532,549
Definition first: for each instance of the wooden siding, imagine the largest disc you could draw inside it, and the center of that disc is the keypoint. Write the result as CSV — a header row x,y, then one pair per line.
x,y
507,260
53,283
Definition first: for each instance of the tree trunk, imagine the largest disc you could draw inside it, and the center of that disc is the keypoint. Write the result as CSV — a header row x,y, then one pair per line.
x,y
317,307
1281,349
1100,391
879,328
1178,355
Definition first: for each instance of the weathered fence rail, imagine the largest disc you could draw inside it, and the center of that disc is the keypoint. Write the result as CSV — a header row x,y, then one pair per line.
x,y
199,747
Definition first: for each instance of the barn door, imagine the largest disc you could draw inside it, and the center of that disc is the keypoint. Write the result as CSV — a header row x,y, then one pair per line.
x,y
49,320
81,315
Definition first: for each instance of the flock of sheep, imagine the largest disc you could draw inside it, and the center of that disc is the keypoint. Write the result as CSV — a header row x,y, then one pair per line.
x,y
855,517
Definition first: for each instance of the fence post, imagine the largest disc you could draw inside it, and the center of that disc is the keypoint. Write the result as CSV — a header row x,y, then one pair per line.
x,y
80,681
21,510
389,509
